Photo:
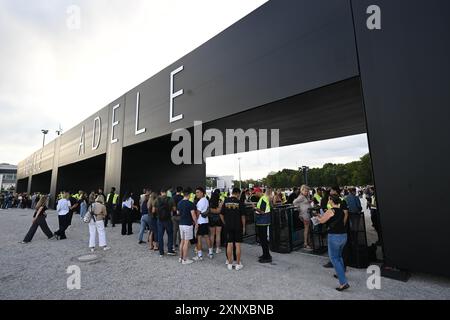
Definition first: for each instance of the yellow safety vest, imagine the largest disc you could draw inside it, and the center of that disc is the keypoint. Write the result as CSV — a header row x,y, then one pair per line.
x,y
318,197
114,198
266,200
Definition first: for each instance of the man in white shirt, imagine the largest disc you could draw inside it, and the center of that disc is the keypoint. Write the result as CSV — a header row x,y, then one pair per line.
x,y
202,224
63,209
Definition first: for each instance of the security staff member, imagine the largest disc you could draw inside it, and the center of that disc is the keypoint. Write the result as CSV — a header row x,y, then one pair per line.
x,y
111,206
263,209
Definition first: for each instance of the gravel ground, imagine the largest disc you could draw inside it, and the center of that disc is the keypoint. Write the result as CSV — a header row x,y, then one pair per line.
x,y
129,271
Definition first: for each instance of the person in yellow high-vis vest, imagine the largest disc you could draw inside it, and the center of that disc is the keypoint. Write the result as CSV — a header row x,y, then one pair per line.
x,y
263,219
111,206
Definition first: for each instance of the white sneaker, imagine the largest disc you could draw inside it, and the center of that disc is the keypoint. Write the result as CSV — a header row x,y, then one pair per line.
x,y
211,255
239,266
92,249
197,258
105,248
188,261
226,262
180,260
218,250
229,266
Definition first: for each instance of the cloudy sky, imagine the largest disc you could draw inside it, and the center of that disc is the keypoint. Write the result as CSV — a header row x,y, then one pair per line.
x,y
53,72
62,60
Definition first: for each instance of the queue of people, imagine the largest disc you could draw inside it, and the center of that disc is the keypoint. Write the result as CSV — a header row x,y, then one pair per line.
x,y
189,217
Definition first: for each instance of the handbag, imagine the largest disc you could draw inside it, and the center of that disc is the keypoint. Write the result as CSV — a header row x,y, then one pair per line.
x,y
89,214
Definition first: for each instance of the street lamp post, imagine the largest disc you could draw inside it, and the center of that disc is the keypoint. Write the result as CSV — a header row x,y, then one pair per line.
x,y
305,173
43,140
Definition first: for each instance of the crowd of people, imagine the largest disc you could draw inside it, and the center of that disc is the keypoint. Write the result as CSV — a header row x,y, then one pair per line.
x,y
21,200
192,217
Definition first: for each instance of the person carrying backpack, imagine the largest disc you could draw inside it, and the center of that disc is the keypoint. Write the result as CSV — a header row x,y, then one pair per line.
x,y
163,208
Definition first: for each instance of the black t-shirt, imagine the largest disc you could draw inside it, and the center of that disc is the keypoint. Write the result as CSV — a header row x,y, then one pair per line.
x,y
291,197
176,199
42,213
344,205
336,222
232,211
72,202
185,207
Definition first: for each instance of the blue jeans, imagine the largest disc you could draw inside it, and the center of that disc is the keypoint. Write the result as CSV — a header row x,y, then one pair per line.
x,y
336,243
168,227
145,221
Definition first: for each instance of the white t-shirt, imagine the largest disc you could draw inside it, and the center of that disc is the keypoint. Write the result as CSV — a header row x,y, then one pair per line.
x,y
202,206
128,203
63,207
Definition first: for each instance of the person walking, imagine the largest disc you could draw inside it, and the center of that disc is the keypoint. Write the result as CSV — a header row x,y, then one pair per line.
x,y
263,211
188,218
337,238
215,223
127,207
303,203
97,224
145,218
63,209
163,208
39,220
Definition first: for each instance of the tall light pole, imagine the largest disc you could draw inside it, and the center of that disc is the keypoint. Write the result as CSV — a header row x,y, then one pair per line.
x,y
43,140
305,173
240,181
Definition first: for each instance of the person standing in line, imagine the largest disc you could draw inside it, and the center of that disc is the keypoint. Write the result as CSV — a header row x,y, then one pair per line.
x,y
263,211
337,238
177,197
203,224
63,209
111,207
142,196
98,211
163,209
153,234
145,218
91,198
100,193
215,223
127,207
83,205
188,218
39,220
304,204
232,215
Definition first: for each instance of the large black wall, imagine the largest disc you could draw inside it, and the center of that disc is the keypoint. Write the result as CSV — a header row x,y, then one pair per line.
x,y
405,70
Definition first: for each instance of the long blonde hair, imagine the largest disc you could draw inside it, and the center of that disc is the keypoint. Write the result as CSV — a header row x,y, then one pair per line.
x,y
42,201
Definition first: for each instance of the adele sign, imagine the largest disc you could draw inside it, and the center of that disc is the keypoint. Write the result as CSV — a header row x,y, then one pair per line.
x,y
97,128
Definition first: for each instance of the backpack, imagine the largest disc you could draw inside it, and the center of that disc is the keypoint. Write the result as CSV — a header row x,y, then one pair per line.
x,y
163,209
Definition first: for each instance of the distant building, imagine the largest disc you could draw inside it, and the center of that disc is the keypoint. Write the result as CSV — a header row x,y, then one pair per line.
x,y
8,176
221,182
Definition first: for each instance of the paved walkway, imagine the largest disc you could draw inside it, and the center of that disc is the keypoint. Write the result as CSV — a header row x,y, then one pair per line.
x,y
129,271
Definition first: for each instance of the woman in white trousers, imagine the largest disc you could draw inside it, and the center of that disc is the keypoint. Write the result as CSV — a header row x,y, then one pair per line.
x,y
97,223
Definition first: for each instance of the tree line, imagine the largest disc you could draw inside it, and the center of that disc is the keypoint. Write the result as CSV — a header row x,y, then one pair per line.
x,y
355,173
